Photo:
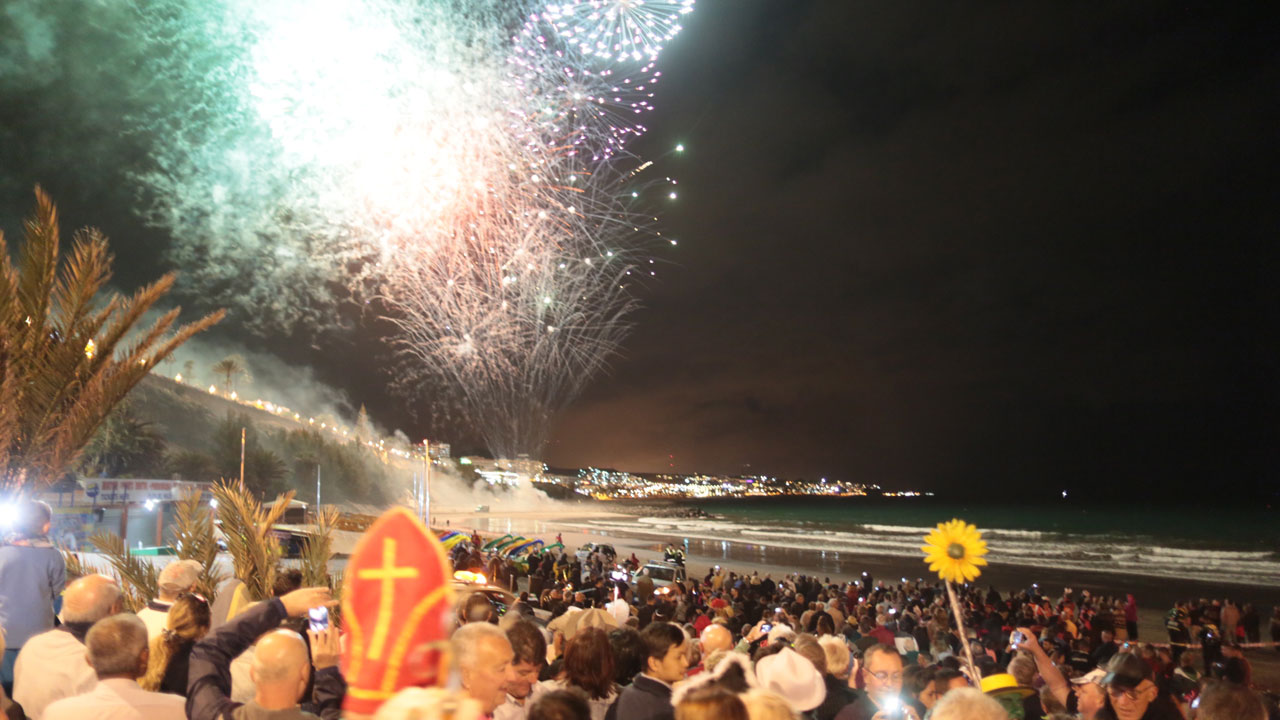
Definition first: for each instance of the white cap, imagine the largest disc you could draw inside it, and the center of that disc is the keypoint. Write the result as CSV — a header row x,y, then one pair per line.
x,y
180,575
1093,676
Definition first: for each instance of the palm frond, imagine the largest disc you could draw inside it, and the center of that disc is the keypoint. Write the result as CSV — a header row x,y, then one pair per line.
x,y
317,548
195,540
60,372
139,579
246,525
76,568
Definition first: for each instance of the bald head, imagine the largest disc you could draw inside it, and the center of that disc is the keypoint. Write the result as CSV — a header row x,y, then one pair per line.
x,y
280,654
715,637
90,599
281,667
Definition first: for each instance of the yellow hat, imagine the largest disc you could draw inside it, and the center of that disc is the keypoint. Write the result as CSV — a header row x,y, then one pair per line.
x,y
1004,683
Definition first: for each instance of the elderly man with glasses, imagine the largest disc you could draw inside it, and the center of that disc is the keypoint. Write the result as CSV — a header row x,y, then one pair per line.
x,y
1132,693
882,674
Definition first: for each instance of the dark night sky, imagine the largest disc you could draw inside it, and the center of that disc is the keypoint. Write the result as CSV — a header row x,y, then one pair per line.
x,y
931,244
942,246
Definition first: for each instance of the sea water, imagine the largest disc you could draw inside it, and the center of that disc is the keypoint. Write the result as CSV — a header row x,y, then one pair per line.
x,y
1240,545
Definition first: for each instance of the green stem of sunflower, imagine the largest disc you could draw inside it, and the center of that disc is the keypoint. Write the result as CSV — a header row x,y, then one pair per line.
x,y
974,676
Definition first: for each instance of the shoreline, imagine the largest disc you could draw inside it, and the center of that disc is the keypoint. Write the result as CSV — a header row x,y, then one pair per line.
x,y
1155,595
733,552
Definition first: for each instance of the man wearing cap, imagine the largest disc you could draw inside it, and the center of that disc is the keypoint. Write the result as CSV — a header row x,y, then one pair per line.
x,y
1087,694
882,674
1132,693
177,577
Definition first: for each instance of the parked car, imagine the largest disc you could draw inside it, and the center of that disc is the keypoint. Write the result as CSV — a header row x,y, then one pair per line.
x,y
662,573
465,583
586,551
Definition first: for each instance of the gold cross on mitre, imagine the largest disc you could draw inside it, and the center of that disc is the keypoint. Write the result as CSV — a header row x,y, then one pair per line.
x,y
395,604
388,574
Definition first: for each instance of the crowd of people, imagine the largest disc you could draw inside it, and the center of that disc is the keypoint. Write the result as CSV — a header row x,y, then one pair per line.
x,y
722,646
853,650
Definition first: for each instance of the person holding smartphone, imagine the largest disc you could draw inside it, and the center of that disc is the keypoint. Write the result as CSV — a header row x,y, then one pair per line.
x,y
882,672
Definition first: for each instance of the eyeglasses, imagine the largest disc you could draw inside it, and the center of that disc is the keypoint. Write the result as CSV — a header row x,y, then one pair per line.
x,y
882,676
1117,693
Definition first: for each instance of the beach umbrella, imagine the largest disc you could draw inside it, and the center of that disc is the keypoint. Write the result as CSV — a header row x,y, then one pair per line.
x,y
523,547
514,549
457,539
494,542
513,541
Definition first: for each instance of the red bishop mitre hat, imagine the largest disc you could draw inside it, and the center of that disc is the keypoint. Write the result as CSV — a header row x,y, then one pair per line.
x,y
397,599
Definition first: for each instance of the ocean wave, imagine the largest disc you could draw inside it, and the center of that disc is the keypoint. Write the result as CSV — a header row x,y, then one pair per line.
x,y
1201,554
1026,548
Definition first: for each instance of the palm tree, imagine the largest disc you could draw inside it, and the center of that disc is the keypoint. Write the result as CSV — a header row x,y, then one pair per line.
x,y
124,446
230,368
69,354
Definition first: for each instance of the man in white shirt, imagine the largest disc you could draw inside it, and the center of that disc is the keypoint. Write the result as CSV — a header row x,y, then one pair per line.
x,y
177,577
530,650
118,653
52,665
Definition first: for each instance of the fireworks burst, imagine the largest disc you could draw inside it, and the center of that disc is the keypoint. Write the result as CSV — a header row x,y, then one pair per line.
x,y
464,163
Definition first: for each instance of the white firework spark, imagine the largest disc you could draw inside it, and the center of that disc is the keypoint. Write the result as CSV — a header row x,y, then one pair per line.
x,y
464,163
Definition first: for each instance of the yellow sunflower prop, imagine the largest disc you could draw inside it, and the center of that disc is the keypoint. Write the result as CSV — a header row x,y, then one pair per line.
x,y
954,550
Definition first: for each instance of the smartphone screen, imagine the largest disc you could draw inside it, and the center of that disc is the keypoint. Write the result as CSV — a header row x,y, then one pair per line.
x,y
1015,640
892,706
319,618
766,628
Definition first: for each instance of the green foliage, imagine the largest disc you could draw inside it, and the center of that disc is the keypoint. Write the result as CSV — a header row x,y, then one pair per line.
x,y
195,540
69,352
349,471
264,471
317,548
246,525
190,465
229,370
124,446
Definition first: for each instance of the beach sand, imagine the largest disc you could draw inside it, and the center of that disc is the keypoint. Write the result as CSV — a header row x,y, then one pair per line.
x,y
1155,595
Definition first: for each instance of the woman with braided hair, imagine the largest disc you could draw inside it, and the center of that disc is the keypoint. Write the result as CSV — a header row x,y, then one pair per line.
x,y
167,667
